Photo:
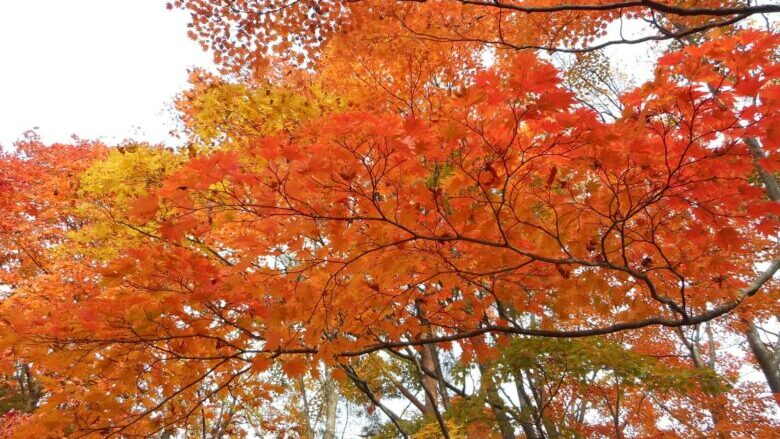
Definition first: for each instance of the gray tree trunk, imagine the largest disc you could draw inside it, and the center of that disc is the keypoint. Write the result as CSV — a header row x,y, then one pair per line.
x,y
331,403
765,358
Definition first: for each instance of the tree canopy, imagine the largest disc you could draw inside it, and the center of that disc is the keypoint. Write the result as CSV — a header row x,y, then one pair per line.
x,y
458,218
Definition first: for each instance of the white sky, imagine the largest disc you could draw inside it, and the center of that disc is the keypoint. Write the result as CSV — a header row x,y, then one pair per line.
x,y
100,69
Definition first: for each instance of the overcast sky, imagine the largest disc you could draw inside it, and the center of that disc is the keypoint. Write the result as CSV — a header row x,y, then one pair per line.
x,y
100,69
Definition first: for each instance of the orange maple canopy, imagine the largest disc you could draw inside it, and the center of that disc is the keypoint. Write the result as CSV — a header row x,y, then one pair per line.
x,y
388,226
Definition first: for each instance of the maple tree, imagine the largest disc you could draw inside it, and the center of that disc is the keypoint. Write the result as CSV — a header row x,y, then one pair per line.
x,y
367,214
241,33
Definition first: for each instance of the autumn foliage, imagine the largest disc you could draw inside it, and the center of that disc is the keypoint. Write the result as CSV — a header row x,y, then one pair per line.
x,y
387,203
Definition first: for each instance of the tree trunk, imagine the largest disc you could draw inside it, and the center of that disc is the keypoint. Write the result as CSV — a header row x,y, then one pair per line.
x,y
526,408
496,403
765,358
331,404
430,384
445,399
306,409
